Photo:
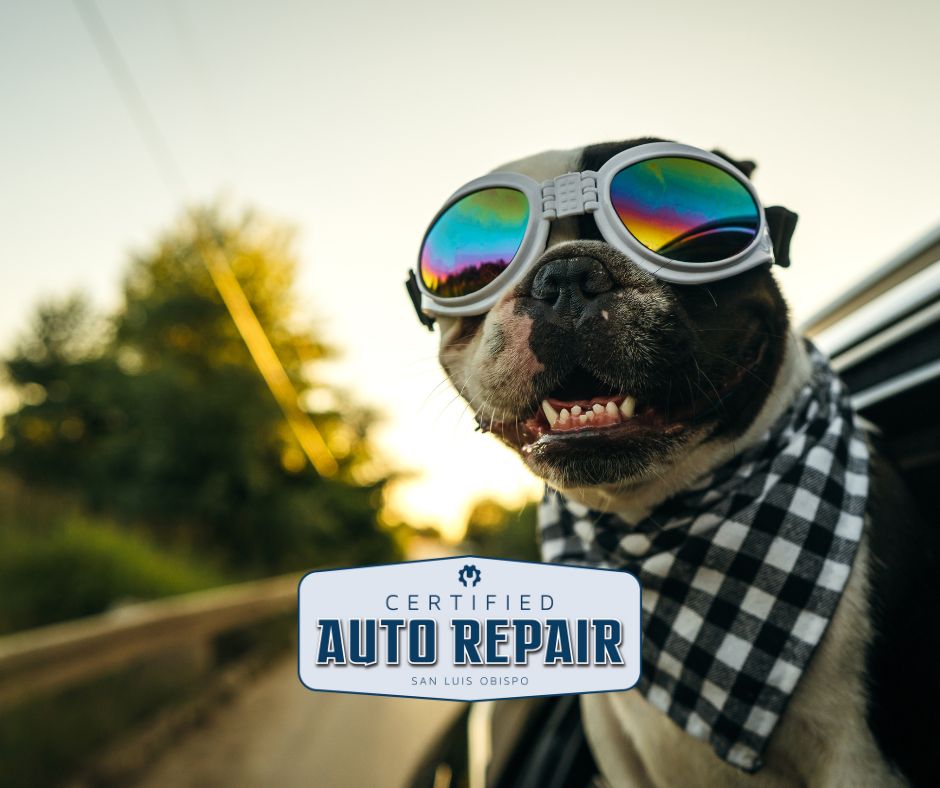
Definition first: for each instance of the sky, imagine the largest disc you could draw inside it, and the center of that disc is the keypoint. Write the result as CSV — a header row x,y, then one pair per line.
x,y
353,122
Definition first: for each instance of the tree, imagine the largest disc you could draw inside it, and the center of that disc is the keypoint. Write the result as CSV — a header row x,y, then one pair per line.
x,y
159,415
496,531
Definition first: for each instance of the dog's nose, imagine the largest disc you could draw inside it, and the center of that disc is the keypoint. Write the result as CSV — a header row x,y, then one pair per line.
x,y
571,283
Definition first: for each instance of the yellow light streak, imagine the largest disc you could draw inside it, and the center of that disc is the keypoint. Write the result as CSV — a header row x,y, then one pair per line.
x,y
265,357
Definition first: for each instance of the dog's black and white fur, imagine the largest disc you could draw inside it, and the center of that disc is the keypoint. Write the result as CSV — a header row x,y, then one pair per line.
x,y
585,322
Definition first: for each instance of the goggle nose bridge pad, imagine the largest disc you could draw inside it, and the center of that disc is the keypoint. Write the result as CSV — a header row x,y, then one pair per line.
x,y
571,194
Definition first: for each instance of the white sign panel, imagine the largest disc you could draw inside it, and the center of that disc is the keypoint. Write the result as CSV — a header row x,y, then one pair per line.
x,y
469,628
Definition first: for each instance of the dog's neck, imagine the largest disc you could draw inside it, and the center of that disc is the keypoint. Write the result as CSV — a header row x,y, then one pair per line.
x,y
635,502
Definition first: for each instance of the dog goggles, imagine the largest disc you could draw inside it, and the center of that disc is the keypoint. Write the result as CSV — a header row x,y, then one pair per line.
x,y
683,214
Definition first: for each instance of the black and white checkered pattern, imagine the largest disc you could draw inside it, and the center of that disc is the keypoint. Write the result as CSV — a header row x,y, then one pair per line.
x,y
741,572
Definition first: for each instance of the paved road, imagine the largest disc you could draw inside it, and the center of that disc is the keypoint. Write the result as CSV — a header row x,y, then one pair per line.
x,y
277,733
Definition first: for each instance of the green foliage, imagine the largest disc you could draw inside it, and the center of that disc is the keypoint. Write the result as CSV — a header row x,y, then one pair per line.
x,y
82,568
159,416
494,530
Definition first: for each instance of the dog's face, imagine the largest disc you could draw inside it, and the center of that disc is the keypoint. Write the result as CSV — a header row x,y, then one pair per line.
x,y
600,374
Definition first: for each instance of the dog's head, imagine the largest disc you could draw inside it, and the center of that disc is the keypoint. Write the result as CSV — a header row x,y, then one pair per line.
x,y
600,374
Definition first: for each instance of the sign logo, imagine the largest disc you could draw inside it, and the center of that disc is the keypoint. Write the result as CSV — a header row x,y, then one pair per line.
x,y
469,571
469,628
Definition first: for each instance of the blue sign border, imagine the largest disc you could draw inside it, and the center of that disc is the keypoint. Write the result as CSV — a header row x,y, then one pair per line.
x,y
469,700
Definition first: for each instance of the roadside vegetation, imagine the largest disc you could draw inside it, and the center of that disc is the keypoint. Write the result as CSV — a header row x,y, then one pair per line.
x,y
146,455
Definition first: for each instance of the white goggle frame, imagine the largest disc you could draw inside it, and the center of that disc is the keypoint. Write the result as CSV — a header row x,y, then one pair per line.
x,y
578,193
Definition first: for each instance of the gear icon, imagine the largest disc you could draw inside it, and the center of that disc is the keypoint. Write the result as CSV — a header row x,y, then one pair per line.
x,y
469,572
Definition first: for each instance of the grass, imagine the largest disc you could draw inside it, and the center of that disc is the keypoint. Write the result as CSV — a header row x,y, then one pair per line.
x,y
83,567
59,563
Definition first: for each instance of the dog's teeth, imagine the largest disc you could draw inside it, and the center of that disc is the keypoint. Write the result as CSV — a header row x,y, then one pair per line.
x,y
589,415
611,410
576,410
598,408
564,417
582,418
550,413
628,406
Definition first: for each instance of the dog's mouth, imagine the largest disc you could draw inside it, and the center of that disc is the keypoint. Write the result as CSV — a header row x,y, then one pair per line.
x,y
606,412
583,402
583,409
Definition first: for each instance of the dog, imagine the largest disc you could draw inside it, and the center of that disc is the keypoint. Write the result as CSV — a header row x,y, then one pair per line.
x,y
864,709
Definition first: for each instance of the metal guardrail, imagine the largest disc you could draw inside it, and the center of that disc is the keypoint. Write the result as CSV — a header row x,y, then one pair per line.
x,y
46,658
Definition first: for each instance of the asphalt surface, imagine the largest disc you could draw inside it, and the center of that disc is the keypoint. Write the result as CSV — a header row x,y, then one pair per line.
x,y
278,733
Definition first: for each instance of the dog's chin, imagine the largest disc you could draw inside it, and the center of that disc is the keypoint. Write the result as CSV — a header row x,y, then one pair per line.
x,y
624,457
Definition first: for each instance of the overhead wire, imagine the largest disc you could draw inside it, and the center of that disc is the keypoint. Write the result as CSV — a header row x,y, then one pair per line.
x,y
213,255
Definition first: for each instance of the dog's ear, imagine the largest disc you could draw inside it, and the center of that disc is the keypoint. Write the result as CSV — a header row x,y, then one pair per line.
x,y
745,165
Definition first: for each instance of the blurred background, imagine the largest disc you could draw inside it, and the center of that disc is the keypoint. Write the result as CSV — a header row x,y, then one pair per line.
x,y
212,376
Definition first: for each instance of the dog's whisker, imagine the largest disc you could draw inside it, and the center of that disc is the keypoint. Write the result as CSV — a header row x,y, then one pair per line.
x,y
424,403
719,400
738,330
711,296
743,367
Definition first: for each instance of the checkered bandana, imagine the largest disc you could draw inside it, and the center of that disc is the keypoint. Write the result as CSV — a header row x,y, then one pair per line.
x,y
741,572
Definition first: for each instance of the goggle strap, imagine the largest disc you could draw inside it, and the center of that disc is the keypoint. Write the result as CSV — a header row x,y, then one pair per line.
x,y
781,223
411,285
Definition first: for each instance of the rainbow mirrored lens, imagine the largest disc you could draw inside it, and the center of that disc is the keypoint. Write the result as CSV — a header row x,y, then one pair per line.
x,y
473,241
685,209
